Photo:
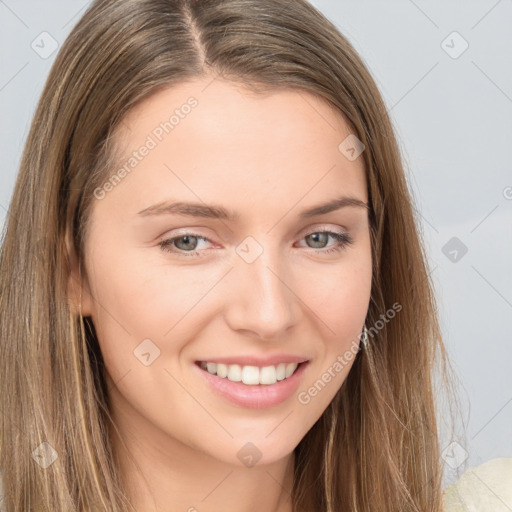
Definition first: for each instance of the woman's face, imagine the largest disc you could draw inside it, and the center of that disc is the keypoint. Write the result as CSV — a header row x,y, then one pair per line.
x,y
237,271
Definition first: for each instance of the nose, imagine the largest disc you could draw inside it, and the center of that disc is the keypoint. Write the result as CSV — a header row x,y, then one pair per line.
x,y
262,299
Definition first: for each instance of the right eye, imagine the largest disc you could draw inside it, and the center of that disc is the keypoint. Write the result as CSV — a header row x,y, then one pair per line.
x,y
187,239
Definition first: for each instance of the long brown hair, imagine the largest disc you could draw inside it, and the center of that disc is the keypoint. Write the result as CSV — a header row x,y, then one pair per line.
x,y
376,446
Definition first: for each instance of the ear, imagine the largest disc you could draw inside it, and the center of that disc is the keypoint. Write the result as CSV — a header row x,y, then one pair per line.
x,y
78,287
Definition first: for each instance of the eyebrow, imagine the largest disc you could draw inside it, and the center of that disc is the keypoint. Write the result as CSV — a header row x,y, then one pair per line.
x,y
214,211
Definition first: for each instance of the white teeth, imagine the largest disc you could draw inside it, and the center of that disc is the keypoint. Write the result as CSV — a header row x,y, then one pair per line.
x,y
234,372
251,375
290,368
222,370
267,375
281,371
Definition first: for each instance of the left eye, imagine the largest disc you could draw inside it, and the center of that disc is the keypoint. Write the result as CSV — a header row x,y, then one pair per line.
x,y
188,242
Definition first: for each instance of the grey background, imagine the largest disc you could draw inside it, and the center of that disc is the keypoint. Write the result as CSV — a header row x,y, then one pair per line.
x,y
453,114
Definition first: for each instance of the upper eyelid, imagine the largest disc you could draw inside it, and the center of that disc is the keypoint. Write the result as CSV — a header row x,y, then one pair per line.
x,y
301,235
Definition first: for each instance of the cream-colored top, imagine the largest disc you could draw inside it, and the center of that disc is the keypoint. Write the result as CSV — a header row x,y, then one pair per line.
x,y
484,488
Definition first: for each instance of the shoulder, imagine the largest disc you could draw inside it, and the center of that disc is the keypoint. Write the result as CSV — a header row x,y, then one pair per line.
x,y
483,488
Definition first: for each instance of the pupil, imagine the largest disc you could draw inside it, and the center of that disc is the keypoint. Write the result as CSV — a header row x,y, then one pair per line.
x,y
187,240
315,237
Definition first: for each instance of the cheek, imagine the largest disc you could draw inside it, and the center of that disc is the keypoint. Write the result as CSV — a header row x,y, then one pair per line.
x,y
136,293
339,294
140,296
128,306
137,305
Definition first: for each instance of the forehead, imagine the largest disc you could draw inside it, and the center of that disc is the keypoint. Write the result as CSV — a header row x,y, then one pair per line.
x,y
211,139
214,111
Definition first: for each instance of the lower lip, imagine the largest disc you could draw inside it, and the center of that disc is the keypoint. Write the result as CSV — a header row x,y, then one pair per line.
x,y
258,396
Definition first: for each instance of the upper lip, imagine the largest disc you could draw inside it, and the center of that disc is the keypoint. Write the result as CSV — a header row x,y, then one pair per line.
x,y
250,360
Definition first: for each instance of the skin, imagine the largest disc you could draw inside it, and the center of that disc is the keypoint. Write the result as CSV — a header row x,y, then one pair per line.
x,y
267,157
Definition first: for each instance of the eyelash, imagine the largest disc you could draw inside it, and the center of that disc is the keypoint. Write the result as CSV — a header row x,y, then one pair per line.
x,y
342,241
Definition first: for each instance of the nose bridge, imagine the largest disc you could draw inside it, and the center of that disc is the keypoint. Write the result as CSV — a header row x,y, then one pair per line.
x,y
264,301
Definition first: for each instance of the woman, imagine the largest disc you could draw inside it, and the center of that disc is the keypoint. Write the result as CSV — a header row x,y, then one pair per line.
x,y
290,349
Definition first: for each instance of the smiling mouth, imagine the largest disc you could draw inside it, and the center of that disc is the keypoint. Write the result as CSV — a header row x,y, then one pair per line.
x,y
251,375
